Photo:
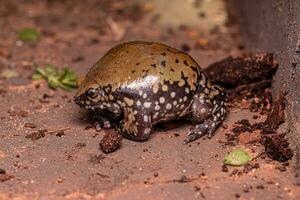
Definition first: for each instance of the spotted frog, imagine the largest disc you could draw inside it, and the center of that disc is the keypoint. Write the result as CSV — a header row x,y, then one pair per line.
x,y
140,84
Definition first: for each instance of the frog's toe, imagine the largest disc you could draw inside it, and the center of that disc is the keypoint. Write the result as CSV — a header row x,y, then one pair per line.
x,y
106,124
208,127
101,123
194,133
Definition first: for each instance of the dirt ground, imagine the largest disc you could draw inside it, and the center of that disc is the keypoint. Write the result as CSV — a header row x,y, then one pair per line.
x,y
69,164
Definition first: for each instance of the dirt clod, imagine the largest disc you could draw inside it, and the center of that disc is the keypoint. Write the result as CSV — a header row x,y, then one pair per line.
x,y
248,167
232,72
2,171
29,125
224,168
234,172
276,117
246,189
197,188
5,177
36,135
60,134
18,113
110,142
261,187
277,147
183,179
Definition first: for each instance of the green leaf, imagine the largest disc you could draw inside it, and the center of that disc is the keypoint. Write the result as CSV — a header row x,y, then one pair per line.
x,y
36,77
53,82
41,72
8,73
66,87
51,70
65,79
237,157
28,35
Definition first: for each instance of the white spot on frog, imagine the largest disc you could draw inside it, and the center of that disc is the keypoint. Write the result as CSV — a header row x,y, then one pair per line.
x,y
187,90
173,94
162,99
147,104
157,107
169,106
145,118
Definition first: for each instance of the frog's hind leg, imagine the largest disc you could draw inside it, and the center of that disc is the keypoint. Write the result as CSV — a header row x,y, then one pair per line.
x,y
136,125
208,112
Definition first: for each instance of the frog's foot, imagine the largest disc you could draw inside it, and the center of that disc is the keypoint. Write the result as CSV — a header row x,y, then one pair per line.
x,y
135,126
134,131
208,128
102,123
208,112
194,133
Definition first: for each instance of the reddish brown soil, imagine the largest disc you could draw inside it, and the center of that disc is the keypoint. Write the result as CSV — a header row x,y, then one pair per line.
x,y
46,149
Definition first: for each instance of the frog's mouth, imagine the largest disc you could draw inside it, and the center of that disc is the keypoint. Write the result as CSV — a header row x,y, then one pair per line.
x,y
91,107
85,103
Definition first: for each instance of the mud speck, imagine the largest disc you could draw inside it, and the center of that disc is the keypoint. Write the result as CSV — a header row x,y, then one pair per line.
x,y
96,159
29,125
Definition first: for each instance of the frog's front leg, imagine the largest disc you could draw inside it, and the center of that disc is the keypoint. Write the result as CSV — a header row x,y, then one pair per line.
x,y
136,124
102,122
207,112
104,113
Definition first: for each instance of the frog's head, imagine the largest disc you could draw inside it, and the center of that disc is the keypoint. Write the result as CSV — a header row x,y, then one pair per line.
x,y
88,95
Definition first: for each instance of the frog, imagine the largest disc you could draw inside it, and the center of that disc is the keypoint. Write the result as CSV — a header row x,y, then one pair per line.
x,y
140,84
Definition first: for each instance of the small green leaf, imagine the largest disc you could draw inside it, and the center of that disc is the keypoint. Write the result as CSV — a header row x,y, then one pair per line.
x,y
8,73
51,70
237,157
66,87
36,77
65,79
28,35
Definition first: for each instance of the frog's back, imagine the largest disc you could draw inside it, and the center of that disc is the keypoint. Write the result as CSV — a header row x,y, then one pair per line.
x,y
130,63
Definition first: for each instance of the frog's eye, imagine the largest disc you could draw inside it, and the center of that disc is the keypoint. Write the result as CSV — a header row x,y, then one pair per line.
x,y
92,93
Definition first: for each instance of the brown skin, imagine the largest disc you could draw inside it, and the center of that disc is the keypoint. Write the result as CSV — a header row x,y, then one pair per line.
x,y
144,83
